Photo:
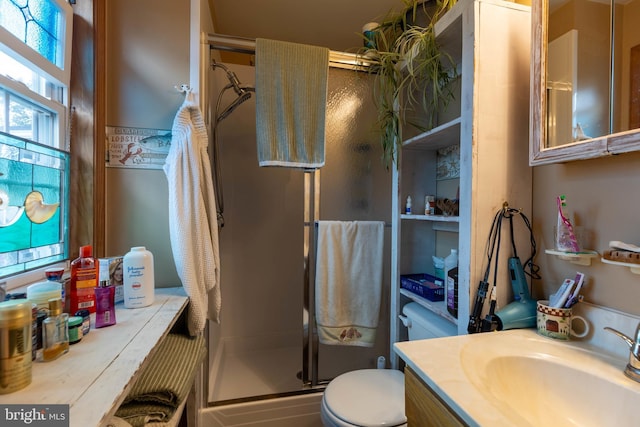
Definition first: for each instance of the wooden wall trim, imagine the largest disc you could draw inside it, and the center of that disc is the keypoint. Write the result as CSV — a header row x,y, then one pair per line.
x,y
99,195
87,139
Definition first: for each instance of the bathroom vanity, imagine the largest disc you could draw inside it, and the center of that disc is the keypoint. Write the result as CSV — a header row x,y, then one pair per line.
x,y
96,374
422,403
519,378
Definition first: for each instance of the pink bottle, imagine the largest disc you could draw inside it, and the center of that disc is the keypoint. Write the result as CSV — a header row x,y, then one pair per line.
x,y
105,304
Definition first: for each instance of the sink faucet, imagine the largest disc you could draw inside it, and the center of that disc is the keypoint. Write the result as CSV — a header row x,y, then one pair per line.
x,y
633,367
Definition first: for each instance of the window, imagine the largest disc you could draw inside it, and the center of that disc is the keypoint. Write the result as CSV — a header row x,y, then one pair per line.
x,y
35,57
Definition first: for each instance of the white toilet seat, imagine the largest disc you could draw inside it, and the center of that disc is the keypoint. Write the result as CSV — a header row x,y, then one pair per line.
x,y
365,398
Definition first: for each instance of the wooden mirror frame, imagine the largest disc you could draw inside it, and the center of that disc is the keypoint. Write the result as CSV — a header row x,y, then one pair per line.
x,y
617,143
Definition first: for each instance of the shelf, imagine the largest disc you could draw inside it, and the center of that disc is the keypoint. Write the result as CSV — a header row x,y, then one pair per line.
x,y
435,218
439,222
94,377
580,258
635,268
437,307
436,138
474,123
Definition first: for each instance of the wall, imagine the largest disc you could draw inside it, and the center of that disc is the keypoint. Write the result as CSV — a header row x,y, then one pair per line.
x,y
630,38
603,194
147,55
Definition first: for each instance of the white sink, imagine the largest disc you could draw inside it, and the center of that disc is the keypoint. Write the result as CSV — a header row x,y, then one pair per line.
x,y
537,381
518,378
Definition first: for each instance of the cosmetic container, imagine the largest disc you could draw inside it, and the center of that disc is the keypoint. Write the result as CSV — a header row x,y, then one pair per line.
x,y
139,280
75,329
86,321
84,279
15,345
40,293
407,207
55,332
105,304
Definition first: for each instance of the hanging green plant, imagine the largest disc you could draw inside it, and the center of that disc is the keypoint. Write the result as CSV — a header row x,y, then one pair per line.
x,y
412,75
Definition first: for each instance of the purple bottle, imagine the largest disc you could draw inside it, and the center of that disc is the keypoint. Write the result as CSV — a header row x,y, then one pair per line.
x,y
105,304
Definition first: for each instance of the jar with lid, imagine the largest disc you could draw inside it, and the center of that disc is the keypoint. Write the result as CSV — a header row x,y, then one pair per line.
x,y
40,293
86,320
75,329
15,345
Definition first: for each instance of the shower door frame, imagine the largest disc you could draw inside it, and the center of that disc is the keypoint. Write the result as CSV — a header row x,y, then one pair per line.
x,y
309,377
310,343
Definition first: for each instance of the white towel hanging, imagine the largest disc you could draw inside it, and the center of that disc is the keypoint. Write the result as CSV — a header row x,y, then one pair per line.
x,y
349,281
193,225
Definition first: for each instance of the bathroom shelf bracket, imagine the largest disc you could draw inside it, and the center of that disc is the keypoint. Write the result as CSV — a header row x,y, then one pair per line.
x,y
579,258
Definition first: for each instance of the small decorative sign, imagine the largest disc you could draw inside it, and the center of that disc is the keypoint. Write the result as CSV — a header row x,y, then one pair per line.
x,y
448,162
137,147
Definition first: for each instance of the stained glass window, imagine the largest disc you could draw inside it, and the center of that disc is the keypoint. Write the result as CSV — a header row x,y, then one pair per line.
x,y
33,201
34,169
36,23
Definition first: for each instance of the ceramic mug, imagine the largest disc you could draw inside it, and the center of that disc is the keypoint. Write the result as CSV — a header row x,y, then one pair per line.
x,y
558,322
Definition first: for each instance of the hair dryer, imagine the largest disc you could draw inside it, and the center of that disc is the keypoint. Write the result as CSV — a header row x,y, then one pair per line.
x,y
521,313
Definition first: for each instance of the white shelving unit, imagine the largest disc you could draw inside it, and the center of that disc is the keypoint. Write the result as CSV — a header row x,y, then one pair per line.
x,y
488,41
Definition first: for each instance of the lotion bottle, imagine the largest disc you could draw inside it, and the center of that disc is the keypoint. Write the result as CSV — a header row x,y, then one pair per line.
x,y
139,280
84,280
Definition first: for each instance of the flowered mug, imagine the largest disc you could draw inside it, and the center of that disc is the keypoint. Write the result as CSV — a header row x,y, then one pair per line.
x,y
558,322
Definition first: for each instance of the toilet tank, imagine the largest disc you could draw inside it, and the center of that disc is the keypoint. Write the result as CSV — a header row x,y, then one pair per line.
x,y
423,324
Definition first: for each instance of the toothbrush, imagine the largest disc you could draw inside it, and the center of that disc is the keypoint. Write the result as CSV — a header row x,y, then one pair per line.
x,y
558,299
575,296
567,223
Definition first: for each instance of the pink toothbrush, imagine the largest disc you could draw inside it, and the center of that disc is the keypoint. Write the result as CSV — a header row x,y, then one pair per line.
x,y
567,223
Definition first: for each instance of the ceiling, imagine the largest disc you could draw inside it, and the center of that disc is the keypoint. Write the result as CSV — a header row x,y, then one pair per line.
x,y
335,24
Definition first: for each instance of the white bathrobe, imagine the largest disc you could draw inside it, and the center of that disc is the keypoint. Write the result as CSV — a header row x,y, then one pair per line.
x,y
192,215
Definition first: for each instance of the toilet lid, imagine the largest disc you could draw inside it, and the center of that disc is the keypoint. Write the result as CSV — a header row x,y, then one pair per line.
x,y
368,397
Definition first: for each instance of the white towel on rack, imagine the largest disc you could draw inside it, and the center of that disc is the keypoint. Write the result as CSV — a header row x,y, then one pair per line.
x,y
349,281
193,226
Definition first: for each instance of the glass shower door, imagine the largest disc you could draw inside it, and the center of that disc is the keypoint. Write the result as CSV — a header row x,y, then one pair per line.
x,y
353,185
267,246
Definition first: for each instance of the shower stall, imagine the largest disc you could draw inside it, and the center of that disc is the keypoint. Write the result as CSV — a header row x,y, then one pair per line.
x,y
265,344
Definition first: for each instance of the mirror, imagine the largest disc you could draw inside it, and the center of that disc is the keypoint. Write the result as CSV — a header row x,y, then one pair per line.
x,y
585,98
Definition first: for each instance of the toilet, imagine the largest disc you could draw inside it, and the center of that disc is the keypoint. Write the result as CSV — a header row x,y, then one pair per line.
x,y
375,397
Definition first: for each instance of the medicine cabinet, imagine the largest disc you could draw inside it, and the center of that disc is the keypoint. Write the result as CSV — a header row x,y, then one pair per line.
x,y
585,68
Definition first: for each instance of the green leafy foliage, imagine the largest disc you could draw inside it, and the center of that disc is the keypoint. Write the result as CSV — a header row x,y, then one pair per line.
x,y
412,75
